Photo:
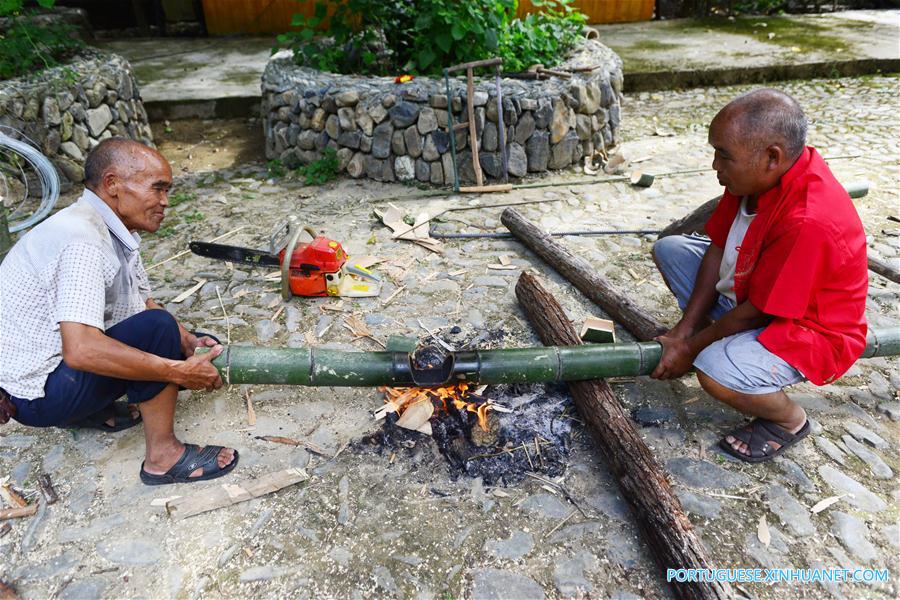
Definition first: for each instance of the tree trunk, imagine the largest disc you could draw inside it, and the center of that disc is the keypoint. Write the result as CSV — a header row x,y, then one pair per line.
x,y
643,483
694,222
583,276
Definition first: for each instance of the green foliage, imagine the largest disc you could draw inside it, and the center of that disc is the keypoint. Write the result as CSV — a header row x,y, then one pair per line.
x,y
26,47
165,231
275,169
423,36
321,170
180,198
194,216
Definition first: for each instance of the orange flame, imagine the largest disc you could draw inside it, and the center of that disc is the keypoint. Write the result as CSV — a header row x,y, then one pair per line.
x,y
403,398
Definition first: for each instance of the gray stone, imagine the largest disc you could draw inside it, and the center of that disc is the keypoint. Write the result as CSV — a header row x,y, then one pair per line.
x,y
703,474
437,173
131,551
611,504
624,550
50,111
854,535
364,121
517,160
65,127
771,557
574,533
347,98
652,416
98,119
491,281
429,151
381,140
890,409
524,128
333,127
80,137
447,165
317,122
427,121
879,386
859,495
438,101
404,168
546,505
891,534
795,474
828,447
563,121
699,504
266,329
344,498
496,584
19,441
793,515
516,546
263,573
423,171
73,171
404,114
479,98
442,141
561,153
537,149
52,142
46,568
587,96
865,435
384,580
491,164
568,574
378,113
356,168
85,589
489,138
879,468
71,150
398,146
583,127
347,119
412,141
91,530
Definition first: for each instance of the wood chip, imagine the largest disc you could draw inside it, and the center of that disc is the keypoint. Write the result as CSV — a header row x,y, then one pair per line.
x,y
11,497
503,267
18,512
188,292
357,326
504,260
251,412
416,416
762,532
47,490
226,494
277,439
823,504
310,338
395,293
366,261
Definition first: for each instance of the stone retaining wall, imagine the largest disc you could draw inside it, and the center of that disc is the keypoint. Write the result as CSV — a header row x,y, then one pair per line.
x,y
68,109
389,131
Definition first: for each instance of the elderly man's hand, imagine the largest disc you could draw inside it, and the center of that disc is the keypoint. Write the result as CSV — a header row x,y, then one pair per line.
x,y
198,372
7,409
190,342
677,358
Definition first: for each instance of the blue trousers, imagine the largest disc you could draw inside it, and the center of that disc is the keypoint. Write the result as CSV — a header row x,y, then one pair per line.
x,y
71,395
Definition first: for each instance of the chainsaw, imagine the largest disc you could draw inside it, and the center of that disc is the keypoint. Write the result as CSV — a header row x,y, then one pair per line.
x,y
317,268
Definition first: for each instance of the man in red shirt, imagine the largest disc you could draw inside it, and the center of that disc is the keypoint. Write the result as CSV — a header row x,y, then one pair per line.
x,y
777,293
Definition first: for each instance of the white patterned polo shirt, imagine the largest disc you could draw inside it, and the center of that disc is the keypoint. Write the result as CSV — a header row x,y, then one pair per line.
x,y
80,265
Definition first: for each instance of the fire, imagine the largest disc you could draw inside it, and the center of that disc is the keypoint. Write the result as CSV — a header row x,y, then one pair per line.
x,y
401,400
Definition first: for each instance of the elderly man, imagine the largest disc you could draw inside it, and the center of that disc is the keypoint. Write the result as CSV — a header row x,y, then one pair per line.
x,y
777,293
79,329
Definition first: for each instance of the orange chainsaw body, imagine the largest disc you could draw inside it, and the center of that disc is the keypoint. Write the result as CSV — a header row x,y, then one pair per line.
x,y
314,265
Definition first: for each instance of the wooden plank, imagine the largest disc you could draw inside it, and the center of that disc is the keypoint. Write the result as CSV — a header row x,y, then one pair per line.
x,y
227,494
488,62
19,512
500,187
643,482
473,134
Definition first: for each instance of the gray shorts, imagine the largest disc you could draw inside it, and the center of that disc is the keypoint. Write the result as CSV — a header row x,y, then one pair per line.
x,y
738,362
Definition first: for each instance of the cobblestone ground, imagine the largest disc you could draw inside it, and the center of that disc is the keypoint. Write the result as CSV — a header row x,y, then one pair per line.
x,y
365,525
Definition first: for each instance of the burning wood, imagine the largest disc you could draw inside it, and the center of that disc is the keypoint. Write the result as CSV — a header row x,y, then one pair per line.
x,y
415,406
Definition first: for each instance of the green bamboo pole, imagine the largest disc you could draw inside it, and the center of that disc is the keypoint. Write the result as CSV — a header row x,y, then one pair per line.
x,y
337,368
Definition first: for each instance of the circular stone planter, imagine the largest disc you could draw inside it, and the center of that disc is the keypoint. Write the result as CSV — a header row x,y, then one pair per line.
x,y
389,131
68,109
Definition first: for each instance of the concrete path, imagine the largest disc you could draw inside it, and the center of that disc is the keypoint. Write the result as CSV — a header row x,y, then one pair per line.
x,y
219,77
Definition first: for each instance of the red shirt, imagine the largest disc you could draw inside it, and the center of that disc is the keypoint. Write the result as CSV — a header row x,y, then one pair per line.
x,y
803,261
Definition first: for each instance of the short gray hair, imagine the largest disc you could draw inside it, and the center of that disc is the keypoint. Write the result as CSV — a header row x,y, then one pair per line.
x,y
767,115
111,151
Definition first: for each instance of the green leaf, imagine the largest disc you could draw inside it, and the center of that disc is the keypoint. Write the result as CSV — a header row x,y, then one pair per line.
x,y
425,58
444,42
46,3
458,32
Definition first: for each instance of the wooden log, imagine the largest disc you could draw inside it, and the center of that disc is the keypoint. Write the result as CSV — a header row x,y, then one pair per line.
x,y
694,222
18,512
583,276
879,266
643,483
7,592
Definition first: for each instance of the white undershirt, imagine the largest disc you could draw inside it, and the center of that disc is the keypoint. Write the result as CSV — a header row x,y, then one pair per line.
x,y
736,234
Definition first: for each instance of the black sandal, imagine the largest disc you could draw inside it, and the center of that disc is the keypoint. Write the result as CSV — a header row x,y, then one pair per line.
x,y
193,458
119,412
757,435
